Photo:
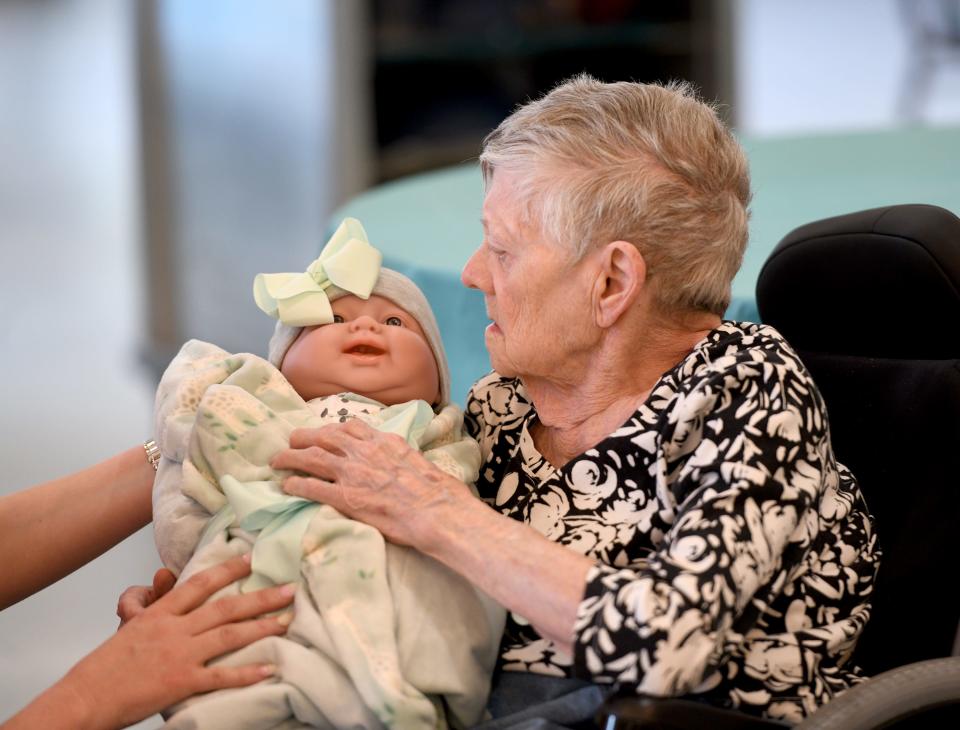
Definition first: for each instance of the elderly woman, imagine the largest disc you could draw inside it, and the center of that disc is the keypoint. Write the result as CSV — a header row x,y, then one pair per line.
x,y
663,511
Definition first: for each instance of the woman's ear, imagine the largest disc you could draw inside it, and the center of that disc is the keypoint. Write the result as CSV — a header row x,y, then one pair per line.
x,y
620,278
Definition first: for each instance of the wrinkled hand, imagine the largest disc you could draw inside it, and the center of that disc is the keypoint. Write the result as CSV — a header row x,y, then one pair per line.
x,y
135,599
158,657
370,476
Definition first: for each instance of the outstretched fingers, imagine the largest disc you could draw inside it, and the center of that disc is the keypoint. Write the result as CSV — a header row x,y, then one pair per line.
x,y
241,607
224,677
333,436
198,588
229,637
315,460
318,490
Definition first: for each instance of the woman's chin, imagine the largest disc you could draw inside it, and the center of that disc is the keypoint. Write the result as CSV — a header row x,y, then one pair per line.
x,y
496,349
501,364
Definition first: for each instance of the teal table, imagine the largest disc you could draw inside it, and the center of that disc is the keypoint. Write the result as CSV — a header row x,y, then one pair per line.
x,y
427,225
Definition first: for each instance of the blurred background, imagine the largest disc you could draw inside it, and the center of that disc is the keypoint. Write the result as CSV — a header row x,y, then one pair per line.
x,y
156,155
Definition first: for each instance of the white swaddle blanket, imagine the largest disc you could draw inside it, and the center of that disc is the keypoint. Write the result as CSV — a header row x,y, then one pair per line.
x,y
382,636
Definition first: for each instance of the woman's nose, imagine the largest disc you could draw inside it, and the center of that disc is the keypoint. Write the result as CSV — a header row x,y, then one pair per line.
x,y
475,274
364,322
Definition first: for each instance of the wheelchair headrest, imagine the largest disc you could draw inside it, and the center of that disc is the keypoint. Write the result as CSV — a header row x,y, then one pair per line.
x,y
881,283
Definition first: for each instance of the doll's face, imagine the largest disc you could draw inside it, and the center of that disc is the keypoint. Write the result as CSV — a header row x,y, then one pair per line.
x,y
374,348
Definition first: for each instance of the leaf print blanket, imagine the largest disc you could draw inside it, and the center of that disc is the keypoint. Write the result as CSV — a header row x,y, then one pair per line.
x,y
382,635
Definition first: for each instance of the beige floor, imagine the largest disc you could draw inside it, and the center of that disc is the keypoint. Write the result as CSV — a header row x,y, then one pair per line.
x,y
71,389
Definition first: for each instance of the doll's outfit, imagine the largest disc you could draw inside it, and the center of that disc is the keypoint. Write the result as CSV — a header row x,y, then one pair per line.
x,y
382,635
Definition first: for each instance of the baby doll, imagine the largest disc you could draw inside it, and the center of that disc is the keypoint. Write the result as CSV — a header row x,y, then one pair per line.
x,y
381,635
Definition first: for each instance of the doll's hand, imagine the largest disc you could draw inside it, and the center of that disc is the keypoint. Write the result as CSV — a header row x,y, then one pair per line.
x,y
135,599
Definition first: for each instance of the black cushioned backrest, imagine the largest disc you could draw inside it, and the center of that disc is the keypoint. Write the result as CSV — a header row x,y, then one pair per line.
x,y
871,302
845,284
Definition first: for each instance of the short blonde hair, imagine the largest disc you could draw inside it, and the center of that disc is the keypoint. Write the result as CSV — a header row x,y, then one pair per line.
x,y
646,163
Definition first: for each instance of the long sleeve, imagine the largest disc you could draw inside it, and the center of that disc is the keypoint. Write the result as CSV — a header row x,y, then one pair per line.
x,y
734,558
748,461
496,406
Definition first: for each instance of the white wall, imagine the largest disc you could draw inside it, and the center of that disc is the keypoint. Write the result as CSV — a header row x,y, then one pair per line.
x,y
268,133
817,65
71,390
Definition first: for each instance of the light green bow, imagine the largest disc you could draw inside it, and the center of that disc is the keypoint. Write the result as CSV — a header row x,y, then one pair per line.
x,y
300,300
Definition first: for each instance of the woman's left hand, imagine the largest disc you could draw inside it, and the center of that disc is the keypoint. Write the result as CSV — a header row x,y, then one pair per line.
x,y
370,476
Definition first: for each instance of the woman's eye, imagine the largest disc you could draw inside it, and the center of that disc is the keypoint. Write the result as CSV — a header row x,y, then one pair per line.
x,y
499,254
394,321
337,319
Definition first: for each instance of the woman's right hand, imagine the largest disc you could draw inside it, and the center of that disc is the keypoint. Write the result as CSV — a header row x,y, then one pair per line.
x,y
135,599
159,657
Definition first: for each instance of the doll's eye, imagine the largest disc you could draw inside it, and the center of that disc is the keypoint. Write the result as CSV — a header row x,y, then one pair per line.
x,y
337,319
394,321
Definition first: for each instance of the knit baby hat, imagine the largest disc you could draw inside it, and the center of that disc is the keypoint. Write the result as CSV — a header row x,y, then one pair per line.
x,y
361,265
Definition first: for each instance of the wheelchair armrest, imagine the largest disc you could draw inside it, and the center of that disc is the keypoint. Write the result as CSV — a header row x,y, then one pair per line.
x,y
893,695
907,691
674,713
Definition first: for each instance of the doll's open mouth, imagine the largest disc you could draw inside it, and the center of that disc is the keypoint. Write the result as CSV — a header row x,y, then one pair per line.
x,y
365,350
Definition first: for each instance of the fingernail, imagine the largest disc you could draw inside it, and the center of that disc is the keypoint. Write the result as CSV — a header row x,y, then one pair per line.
x,y
268,670
246,557
285,618
289,589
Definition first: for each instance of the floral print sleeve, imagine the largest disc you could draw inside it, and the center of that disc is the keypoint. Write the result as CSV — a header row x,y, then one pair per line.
x,y
734,557
494,411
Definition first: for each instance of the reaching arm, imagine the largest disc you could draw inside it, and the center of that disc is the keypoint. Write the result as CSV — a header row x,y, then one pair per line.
x,y
160,657
740,497
376,478
506,558
50,530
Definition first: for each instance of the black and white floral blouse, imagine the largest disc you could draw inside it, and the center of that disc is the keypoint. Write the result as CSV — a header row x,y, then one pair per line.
x,y
734,557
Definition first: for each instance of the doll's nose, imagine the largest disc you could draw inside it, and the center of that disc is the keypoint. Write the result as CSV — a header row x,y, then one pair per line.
x,y
364,322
